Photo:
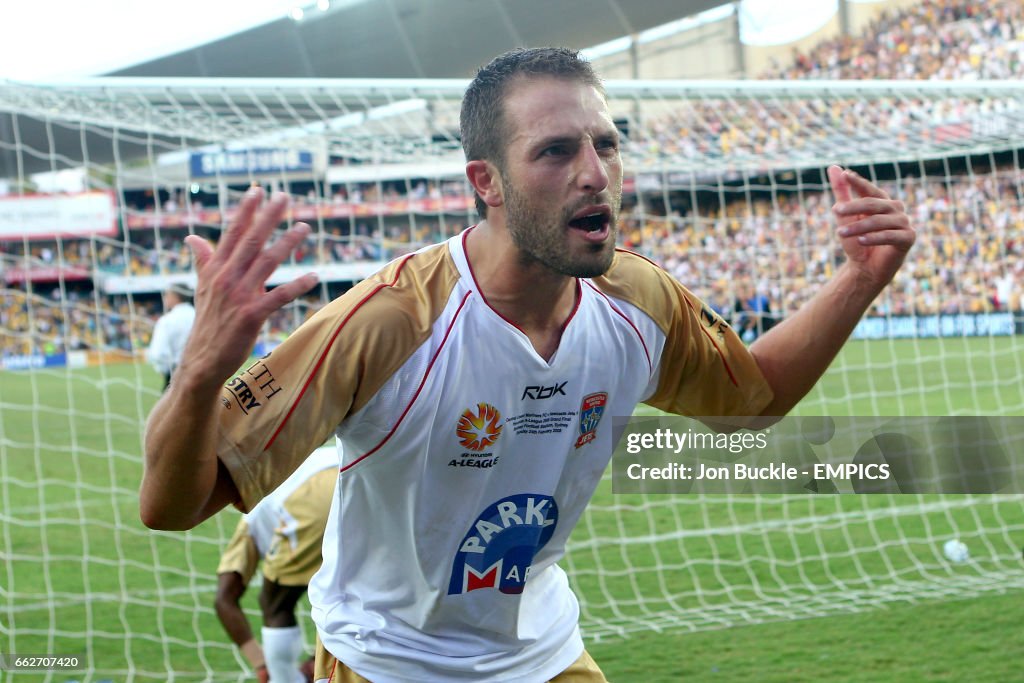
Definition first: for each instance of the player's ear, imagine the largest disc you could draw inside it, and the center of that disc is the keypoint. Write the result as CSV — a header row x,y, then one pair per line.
x,y
486,180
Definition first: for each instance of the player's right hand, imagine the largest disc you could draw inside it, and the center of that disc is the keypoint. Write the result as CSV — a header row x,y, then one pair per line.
x,y
231,300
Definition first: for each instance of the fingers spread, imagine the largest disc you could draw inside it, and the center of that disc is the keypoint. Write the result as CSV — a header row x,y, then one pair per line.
x,y
282,294
201,249
251,237
243,218
270,258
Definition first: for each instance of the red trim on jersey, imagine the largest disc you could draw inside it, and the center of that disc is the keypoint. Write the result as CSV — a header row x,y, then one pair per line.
x,y
615,308
423,382
572,314
732,377
465,252
323,356
711,339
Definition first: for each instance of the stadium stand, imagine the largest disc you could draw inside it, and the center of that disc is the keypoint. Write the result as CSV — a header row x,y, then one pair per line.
x,y
753,247
970,226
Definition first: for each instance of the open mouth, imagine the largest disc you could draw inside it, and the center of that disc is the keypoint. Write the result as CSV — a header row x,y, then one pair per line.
x,y
592,220
591,223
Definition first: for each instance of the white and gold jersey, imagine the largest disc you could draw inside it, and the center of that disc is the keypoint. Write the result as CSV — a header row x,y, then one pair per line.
x,y
286,529
288,525
467,458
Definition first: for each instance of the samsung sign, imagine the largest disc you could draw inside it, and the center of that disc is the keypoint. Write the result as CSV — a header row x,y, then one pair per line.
x,y
247,162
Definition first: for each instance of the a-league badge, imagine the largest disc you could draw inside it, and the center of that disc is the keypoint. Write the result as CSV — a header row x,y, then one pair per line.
x,y
591,410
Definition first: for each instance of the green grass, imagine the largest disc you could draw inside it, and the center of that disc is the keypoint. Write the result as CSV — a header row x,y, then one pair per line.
x,y
849,588
966,640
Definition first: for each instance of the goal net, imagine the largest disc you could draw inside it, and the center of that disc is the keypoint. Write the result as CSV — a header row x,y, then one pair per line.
x,y
724,186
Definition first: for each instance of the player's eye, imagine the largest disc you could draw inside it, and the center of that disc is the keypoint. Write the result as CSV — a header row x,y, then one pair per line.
x,y
555,151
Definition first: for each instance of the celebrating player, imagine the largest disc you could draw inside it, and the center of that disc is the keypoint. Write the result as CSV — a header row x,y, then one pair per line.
x,y
286,529
470,384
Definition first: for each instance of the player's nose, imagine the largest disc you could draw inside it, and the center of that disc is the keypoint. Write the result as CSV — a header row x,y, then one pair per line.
x,y
591,173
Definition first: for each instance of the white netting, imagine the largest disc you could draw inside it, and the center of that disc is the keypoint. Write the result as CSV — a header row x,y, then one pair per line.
x,y
724,186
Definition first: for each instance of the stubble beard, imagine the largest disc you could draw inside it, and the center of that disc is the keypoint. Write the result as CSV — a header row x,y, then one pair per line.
x,y
545,241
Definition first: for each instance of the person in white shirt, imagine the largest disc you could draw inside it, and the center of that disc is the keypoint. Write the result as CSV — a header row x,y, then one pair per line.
x,y
470,384
171,331
286,532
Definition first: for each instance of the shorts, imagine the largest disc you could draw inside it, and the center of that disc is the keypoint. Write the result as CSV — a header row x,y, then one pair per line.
x,y
329,670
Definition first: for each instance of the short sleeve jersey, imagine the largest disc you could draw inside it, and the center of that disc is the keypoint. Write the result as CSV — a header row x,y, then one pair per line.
x,y
467,457
275,514
286,528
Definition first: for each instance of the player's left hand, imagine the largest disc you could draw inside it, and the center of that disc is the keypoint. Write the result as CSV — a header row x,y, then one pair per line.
x,y
874,229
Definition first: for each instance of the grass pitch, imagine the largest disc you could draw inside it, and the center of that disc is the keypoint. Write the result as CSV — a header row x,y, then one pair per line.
x,y
798,588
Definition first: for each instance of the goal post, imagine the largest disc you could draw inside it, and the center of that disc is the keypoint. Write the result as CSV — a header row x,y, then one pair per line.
x,y
725,186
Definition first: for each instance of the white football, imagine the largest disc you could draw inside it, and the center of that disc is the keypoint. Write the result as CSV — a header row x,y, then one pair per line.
x,y
955,551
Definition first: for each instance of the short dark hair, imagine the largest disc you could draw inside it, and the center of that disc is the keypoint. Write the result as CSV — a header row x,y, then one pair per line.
x,y
482,120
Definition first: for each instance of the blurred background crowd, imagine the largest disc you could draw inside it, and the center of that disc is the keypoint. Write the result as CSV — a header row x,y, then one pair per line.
x,y
755,256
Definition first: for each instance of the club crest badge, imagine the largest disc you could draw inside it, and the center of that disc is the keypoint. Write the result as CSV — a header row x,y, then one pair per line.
x,y
591,411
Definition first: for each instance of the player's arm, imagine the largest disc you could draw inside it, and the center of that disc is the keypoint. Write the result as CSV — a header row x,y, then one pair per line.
x,y
230,589
183,481
876,235
228,604
237,565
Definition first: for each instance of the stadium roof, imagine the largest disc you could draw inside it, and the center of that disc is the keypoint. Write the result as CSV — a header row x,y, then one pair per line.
x,y
413,38
351,39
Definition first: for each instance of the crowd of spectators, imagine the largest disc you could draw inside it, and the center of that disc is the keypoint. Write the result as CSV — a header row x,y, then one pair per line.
x,y
113,256
142,253
935,39
57,320
951,40
768,256
754,257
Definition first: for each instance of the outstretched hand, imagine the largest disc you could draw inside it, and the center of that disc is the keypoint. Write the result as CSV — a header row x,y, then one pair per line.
x,y
231,299
874,229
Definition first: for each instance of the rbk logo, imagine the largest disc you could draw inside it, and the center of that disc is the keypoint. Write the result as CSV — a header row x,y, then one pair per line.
x,y
542,392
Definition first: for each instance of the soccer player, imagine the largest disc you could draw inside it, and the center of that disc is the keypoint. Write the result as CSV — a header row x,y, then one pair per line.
x,y
286,530
171,331
470,383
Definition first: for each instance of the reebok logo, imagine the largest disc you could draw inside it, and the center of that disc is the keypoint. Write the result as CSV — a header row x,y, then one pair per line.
x,y
541,392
